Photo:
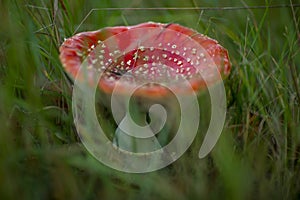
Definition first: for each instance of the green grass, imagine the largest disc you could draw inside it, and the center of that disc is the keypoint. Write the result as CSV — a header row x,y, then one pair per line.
x,y
257,156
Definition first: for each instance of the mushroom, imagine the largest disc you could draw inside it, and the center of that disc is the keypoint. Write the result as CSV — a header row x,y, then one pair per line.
x,y
152,62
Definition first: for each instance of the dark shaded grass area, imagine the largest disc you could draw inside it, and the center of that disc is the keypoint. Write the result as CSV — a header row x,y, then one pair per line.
x,y
257,155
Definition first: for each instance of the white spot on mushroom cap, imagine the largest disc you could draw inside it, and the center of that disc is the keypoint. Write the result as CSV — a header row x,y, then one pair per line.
x,y
194,51
142,48
146,58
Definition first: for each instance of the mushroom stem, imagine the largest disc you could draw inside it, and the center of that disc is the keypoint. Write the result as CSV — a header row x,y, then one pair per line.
x,y
134,144
148,127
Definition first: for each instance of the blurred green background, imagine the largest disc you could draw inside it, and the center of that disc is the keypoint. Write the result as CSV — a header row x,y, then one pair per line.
x,y
257,156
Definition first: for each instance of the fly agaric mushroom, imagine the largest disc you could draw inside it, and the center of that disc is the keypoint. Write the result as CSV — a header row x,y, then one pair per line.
x,y
146,54
168,48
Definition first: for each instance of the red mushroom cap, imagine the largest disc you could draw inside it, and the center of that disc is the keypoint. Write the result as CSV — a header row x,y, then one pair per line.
x,y
147,53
